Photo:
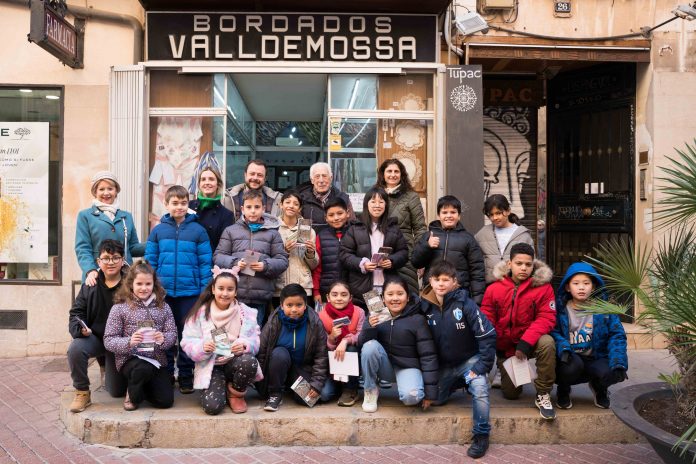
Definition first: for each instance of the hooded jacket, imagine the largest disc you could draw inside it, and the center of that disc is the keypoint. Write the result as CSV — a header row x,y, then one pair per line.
x,y
232,200
522,313
316,356
214,220
181,256
314,210
356,245
608,335
458,247
92,306
489,246
408,343
459,329
235,242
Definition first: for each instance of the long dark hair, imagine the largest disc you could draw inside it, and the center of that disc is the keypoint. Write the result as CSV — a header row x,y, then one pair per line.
x,y
405,180
384,219
501,202
125,292
207,296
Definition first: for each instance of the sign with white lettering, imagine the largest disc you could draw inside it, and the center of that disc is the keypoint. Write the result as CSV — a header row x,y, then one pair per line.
x,y
291,37
50,31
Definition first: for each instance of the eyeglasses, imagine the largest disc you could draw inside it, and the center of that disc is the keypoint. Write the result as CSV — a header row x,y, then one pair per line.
x,y
113,260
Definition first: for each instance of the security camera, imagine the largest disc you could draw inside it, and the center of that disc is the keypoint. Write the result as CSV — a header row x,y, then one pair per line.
x,y
471,23
687,12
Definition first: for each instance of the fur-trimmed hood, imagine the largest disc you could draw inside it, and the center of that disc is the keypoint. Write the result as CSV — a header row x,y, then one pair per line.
x,y
541,275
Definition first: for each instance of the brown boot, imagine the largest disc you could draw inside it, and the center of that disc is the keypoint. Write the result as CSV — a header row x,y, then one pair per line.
x,y
236,400
81,401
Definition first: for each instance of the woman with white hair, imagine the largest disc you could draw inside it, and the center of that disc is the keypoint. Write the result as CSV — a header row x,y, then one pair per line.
x,y
104,220
317,192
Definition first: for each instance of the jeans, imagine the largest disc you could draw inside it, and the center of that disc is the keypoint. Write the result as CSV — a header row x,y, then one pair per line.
x,y
332,387
581,369
451,378
79,352
181,305
146,382
375,365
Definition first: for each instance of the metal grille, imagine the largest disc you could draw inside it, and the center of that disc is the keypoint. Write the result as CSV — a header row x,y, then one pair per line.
x,y
13,319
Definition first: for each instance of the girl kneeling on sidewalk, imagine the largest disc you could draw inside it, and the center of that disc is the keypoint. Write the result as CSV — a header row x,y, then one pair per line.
x,y
400,350
221,336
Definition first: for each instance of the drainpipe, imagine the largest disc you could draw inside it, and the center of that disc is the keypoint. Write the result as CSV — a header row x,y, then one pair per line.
x,y
81,12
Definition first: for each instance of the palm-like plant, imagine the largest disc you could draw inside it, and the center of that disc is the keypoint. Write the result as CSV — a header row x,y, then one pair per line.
x,y
663,278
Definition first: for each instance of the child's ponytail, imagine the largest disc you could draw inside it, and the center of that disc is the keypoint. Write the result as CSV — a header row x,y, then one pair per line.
x,y
512,217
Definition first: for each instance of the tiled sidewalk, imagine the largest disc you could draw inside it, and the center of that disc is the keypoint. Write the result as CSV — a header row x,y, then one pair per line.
x,y
30,432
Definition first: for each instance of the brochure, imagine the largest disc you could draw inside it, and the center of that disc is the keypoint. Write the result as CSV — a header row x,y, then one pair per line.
x,y
154,362
82,323
147,328
341,370
222,342
382,253
250,257
520,371
341,321
302,388
375,305
304,230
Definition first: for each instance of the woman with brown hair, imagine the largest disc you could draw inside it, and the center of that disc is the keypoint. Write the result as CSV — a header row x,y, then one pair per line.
x,y
214,217
406,207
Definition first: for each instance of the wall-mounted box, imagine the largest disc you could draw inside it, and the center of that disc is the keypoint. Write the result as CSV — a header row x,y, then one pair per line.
x,y
498,4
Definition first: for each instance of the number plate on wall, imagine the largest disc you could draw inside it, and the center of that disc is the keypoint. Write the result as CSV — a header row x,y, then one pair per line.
x,y
561,8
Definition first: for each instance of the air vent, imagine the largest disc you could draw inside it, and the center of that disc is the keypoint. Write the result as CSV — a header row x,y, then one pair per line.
x,y
13,320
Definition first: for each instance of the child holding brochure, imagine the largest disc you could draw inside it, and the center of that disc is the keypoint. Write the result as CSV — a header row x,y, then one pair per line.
x,y
293,346
521,307
343,323
221,336
401,350
254,244
139,330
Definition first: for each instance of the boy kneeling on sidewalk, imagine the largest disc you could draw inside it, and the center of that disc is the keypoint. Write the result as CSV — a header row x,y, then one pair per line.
x,y
521,307
465,342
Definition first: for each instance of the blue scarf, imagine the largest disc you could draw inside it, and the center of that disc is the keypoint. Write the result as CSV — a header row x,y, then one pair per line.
x,y
254,226
293,333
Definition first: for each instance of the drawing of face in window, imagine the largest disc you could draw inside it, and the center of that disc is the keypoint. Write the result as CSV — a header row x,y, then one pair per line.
x,y
506,158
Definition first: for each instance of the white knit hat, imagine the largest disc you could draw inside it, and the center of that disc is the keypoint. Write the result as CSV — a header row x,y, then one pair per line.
x,y
104,175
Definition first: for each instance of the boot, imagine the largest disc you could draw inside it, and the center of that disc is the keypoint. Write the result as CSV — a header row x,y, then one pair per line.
x,y
81,401
236,400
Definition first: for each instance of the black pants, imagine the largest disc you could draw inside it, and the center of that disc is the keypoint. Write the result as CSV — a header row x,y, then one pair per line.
x,y
180,308
282,372
240,372
146,382
582,369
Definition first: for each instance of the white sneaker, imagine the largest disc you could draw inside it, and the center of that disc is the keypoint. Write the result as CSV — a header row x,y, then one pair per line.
x,y
370,400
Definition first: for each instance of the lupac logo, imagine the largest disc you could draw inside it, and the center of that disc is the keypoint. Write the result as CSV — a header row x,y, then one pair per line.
x,y
22,132
463,98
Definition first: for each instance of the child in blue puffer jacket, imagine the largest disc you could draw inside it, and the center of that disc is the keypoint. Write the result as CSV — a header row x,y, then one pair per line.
x,y
590,347
178,248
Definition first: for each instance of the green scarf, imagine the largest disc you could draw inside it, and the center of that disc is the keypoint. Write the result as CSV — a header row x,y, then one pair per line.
x,y
205,202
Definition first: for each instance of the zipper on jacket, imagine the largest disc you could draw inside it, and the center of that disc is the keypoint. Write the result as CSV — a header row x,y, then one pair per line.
x,y
391,330
512,310
446,243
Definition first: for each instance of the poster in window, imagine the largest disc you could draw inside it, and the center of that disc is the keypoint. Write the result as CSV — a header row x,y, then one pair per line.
x,y
24,192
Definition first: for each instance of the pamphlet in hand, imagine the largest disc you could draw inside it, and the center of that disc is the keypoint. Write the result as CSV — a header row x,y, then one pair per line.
x,y
382,254
147,329
376,306
341,321
82,323
250,257
304,230
222,343
520,371
341,370
302,388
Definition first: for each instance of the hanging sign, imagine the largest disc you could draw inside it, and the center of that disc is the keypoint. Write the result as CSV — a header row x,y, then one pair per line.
x,y
291,37
52,32
24,192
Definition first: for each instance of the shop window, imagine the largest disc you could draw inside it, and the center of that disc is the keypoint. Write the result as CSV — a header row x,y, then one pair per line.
x,y
30,171
411,92
354,92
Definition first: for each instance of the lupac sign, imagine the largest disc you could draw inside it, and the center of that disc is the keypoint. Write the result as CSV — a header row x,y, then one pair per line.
x,y
50,31
291,37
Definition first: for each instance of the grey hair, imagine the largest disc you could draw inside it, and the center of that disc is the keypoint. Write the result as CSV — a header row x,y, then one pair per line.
x,y
315,166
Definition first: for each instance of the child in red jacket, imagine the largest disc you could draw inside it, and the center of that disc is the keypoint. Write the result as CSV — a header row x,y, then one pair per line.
x,y
520,305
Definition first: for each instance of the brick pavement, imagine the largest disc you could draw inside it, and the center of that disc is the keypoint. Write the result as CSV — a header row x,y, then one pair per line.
x,y
31,432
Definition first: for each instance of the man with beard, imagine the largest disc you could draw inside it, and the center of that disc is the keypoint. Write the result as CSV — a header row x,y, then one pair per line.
x,y
254,179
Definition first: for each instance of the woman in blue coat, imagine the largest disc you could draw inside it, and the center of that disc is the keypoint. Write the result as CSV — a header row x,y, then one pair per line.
x,y
590,347
104,220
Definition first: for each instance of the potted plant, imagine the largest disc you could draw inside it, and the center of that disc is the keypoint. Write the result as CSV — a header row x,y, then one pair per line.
x,y
662,279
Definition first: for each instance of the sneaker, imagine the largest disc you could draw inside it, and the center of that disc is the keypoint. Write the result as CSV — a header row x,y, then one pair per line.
x,y
563,398
273,403
81,401
496,382
601,396
385,384
348,397
478,447
370,400
186,385
543,402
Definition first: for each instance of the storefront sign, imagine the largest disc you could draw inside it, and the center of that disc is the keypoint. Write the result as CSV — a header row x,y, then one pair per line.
x,y
291,37
464,131
24,192
50,31
513,92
